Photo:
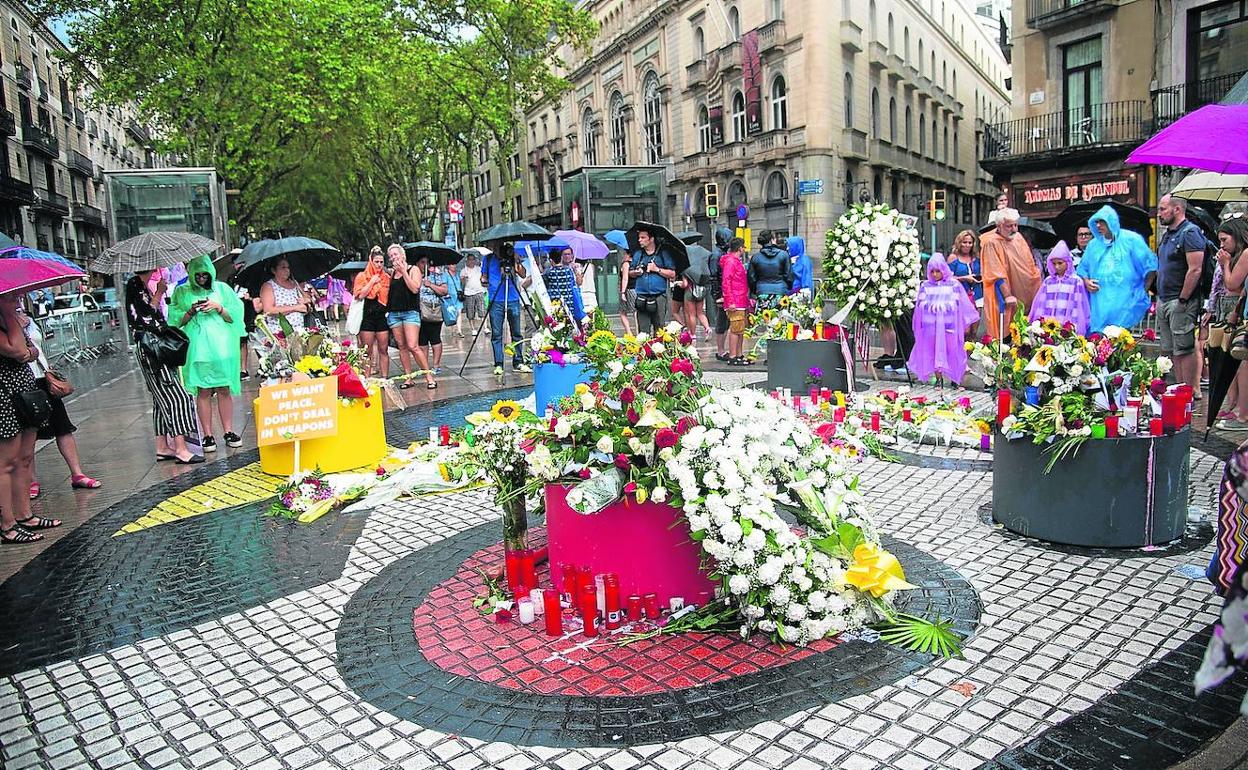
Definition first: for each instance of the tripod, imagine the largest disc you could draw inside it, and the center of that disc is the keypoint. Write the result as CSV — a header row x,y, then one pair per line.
x,y
508,280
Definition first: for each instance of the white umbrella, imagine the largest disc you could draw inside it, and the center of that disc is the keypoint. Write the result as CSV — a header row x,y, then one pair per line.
x,y
1212,186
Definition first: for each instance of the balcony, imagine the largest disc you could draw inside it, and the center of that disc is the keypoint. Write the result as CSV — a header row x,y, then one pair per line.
x,y
16,191
853,144
80,118
40,140
22,75
730,57
772,145
8,124
43,90
1045,14
877,55
80,164
894,67
695,74
58,244
138,131
52,203
851,36
87,215
772,37
97,173
1173,102
1104,129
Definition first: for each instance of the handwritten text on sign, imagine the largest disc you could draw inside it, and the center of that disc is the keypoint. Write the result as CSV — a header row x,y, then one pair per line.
x,y
297,411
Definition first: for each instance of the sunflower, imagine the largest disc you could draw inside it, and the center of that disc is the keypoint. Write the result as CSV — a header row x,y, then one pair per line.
x,y
505,411
602,340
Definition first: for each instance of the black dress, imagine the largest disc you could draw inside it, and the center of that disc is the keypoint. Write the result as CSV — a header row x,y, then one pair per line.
x,y
15,378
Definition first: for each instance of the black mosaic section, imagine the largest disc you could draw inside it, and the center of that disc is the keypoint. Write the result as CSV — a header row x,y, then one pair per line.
x,y
1195,537
1151,722
975,464
379,658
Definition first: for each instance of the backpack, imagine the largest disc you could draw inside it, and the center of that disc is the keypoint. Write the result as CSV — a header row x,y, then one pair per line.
x,y
1205,287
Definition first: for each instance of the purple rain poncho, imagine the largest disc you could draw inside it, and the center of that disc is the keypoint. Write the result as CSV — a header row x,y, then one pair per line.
x,y
1062,298
942,313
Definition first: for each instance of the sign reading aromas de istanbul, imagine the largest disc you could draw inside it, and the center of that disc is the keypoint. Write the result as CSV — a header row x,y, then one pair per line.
x,y
1053,195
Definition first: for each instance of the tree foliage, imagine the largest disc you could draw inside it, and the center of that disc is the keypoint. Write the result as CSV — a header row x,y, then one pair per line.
x,y
343,119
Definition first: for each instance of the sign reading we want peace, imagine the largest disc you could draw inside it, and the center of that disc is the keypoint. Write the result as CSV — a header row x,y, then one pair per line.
x,y
297,411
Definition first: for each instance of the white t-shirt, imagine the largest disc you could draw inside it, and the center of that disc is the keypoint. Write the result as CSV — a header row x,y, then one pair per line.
x,y
589,289
470,277
39,366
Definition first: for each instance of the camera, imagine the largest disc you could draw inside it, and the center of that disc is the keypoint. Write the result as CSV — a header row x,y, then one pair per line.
x,y
507,256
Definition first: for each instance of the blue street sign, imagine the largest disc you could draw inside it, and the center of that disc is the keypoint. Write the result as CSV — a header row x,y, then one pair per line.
x,y
743,212
810,187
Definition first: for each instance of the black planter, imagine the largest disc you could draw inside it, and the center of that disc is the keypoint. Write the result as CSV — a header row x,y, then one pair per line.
x,y
789,360
1114,493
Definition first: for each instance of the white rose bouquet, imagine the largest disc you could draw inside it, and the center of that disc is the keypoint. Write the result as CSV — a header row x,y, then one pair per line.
x,y
873,255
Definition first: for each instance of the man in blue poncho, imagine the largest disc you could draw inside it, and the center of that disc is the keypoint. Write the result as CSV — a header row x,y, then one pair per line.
x,y
1116,268
803,272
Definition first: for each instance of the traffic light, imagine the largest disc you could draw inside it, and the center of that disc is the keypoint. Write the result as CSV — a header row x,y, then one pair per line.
x,y
936,206
710,192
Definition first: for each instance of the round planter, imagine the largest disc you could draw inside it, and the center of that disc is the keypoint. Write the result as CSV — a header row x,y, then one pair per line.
x,y
552,382
1113,493
359,443
789,360
646,544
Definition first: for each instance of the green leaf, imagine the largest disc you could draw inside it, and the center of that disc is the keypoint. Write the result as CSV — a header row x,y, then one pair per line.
x,y
747,525
850,536
933,637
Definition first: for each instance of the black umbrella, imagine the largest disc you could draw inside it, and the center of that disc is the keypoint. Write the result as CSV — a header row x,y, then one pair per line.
x,y
1222,369
690,237
1041,233
438,254
514,231
665,239
308,258
699,270
1076,215
1205,221
347,269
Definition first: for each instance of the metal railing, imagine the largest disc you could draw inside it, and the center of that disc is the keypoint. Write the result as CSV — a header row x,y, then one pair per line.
x,y
80,336
1041,13
1100,124
43,140
1173,102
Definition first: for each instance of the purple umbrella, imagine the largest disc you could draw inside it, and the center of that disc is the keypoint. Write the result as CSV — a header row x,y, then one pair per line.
x,y
1214,138
584,245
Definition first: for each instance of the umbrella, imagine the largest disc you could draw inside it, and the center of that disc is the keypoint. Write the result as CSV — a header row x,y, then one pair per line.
x,y
540,247
1222,369
438,254
584,246
7,243
665,239
22,252
1076,215
308,257
1042,234
617,238
23,275
1211,186
152,250
347,269
690,237
1213,138
699,270
514,231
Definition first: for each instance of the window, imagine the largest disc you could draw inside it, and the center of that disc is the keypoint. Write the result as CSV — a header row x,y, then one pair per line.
x,y
552,184
1081,92
737,195
738,117
892,120
777,10
890,33
875,113
922,133
779,103
537,185
944,75
734,23
909,136
919,64
849,100
653,112
849,187
935,148
704,129
877,188
777,187
905,38
932,71
954,92
1217,46
589,137
699,43
945,146
871,22
619,137
956,161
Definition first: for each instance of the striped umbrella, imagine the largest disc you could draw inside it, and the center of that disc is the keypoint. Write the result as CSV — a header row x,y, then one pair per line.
x,y
152,250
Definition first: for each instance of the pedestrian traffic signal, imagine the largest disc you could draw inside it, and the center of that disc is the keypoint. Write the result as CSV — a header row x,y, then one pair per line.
x,y
936,206
710,192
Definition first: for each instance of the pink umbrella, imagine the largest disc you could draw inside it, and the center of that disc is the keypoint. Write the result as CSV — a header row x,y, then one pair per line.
x,y
1214,138
23,275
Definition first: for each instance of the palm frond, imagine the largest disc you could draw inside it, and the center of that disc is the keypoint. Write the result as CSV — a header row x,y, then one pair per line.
x,y
935,637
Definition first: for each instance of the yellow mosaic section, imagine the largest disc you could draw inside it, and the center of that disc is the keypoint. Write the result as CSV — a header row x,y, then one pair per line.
x,y
238,487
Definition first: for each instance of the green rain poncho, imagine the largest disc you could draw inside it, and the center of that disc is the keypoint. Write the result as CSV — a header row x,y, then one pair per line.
x,y
213,358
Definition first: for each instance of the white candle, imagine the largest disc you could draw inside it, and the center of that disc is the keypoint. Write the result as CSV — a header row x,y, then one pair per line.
x,y
433,434
601,586
526,611
676,603
538,601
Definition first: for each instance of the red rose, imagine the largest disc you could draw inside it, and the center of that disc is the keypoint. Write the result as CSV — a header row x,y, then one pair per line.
x,y
632,415
381,471
627,396
583,473
1157,386
684,424
986,339
666,437
630,487
622,462
682,366
1150,335
685,337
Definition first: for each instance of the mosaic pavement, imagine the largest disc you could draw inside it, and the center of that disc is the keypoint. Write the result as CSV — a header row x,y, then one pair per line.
x,y
233,640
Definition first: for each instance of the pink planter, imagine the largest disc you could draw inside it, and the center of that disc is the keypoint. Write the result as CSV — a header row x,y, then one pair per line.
x,y
646,544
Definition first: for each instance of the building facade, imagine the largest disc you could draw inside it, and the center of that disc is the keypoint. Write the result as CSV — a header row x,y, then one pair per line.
x,y
878,100
1093,80
56,146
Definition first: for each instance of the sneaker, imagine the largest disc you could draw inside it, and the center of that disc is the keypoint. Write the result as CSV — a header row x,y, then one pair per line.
x,y
522,368
209,444
498,371
888,367
1231,425
233,440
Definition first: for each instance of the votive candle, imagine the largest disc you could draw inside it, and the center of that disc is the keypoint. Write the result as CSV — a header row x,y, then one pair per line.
x,y
985,442
676,603
875,422
634,607
650,602
433,434
1172,411
444,434
613,605
840,399
553,613
528,570
1111,426
1155,426
906,416
526,612
814,395
537,596
826,394
1004,405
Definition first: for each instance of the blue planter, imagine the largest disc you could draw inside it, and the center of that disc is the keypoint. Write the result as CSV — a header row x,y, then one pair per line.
x,y
552,382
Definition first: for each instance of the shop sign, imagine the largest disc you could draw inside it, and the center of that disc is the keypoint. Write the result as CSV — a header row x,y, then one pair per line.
x,y
1052,195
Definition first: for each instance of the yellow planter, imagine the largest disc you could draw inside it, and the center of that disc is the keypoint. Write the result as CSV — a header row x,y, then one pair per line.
x,y
361,442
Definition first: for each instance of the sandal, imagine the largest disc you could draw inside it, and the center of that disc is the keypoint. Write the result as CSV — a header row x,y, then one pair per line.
x,y
162,458
18,536
84,481
405,385
34,489
37,522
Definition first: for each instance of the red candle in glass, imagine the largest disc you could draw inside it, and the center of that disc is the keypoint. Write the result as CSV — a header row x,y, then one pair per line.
x,y
528,570
511,568
826,394
775,394
634,607
840,414
1111,426
585,579
1155,426
875,422
553,612
614,616
797,402
829,330
589,616
1171,406
905,415
568,585
1004,404
444,434
814,395
650,602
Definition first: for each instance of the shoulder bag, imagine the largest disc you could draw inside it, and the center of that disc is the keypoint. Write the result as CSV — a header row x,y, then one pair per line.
x,y
165,345
33,408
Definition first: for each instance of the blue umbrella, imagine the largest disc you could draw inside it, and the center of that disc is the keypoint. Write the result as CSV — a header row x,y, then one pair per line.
x,y
538,247
617,238
23,252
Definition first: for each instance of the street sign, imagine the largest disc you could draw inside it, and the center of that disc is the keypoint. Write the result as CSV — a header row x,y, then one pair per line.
x,y
743,212
810,187
455,207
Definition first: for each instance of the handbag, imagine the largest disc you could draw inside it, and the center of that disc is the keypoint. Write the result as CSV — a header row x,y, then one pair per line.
x,y
646,304
355,316
165,345
57,385
33,408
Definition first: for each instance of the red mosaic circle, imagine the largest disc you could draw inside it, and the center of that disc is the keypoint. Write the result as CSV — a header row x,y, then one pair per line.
x,y
459,639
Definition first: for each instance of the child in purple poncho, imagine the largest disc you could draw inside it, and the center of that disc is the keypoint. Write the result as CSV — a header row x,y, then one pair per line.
x,y
942,313
1062,296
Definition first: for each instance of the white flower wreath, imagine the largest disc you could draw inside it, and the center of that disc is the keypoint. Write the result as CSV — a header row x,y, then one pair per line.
x,y
881,282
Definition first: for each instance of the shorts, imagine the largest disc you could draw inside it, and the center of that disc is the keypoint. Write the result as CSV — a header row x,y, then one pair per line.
x,y
1176,323
736,321
678,293
58,420
721,320
430,333
403,317
374,322
630,302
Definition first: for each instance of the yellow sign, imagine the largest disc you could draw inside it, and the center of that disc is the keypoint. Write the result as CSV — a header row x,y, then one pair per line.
x,y
744,234
297,411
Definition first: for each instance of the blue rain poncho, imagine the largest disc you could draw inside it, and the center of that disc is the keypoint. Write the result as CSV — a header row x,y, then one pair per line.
x,y
1119,266
803,272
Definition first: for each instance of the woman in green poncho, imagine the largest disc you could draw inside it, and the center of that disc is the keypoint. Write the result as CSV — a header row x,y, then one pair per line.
x,y
211,314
